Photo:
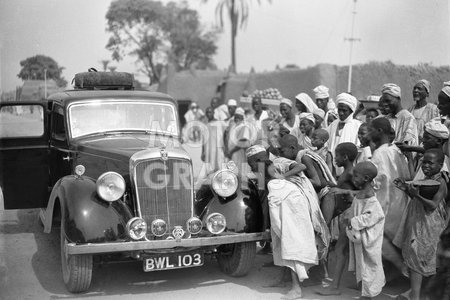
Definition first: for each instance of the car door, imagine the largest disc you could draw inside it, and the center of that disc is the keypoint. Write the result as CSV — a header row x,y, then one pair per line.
x,y
61,158
24,163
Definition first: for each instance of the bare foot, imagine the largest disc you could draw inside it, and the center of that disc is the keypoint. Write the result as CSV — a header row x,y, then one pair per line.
x,y
279,283
328,291
293,294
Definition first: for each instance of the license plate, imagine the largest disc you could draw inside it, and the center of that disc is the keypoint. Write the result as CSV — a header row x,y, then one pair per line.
x,y
173,261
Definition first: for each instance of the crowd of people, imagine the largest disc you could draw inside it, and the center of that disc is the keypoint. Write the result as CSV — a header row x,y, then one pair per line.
x,y
370,183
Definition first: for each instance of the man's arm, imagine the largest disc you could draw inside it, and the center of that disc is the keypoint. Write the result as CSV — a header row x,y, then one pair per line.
x,y
408,148
311,172
429,204
294,169
329,161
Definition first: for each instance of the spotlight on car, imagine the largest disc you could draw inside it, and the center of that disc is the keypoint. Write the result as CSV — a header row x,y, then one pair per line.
x,y
136,228
110,186
79,170
216,223
225,183
194,225
159,227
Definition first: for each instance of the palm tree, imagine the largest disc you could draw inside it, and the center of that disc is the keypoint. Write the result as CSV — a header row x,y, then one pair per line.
x,y
237,11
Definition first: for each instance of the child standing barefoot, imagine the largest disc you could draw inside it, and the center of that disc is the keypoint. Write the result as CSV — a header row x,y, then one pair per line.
x,y
367,224
336,203
424,221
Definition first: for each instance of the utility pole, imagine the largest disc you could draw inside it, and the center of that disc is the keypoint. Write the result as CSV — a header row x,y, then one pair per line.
x,y
351,40
45,83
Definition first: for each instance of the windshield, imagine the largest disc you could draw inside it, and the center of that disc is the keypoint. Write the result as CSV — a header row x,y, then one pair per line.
x,y
128,115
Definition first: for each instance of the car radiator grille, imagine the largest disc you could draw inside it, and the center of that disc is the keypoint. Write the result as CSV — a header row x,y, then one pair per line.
x,y
164,191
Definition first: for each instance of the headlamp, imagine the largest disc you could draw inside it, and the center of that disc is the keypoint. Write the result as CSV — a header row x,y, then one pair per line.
x,y
159,227
194,225
225,183
216,223
110,186
136,228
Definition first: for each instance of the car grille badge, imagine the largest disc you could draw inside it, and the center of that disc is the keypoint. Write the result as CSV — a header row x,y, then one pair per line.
x,y
178,233
164,154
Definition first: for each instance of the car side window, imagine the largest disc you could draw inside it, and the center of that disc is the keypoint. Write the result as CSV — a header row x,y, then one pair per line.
x,y
58,126
21,121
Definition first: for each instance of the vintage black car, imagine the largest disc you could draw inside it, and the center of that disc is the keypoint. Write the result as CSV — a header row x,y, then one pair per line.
x,y
105,165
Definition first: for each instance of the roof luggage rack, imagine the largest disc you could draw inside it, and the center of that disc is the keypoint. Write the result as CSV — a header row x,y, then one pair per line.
x,y
103,80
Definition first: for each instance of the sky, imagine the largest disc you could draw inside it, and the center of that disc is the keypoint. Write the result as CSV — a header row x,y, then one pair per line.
x,y
279,32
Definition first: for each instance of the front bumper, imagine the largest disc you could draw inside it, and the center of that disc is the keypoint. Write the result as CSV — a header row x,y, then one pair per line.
x,y
226,238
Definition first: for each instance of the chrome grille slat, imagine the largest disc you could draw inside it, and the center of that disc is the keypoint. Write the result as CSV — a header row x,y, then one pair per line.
x,y
162,194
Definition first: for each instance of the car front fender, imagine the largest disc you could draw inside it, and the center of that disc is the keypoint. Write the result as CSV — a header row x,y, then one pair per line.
x,y
242,211
86,217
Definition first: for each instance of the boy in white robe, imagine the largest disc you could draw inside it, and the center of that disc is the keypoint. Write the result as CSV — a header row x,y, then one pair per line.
x,y
365,231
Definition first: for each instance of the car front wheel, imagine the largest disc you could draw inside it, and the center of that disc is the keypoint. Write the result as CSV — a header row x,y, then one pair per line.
x,y
76,269
237,259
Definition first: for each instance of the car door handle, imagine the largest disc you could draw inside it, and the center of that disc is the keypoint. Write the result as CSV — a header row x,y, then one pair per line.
x,y
67,158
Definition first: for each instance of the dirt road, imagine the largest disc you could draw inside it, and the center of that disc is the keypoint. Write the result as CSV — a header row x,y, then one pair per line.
x,y
30,269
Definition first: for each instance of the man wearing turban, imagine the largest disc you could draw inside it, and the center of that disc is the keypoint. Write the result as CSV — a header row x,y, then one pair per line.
x,y
319,115
402,121
421,109
344,129
289,120
324,102
304,132
232,106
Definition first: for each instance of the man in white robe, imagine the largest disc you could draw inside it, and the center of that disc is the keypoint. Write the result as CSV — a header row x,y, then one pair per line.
x,y
220,110
391,164
242,135
422,110
297,224
213,145
402,121
344,129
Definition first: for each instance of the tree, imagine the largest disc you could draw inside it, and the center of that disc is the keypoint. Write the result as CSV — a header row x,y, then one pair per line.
x,y
237,12
189,44
105,64
40,67
157,34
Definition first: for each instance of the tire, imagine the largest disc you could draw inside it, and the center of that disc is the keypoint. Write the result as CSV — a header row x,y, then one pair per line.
x,y
238,260
76,269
